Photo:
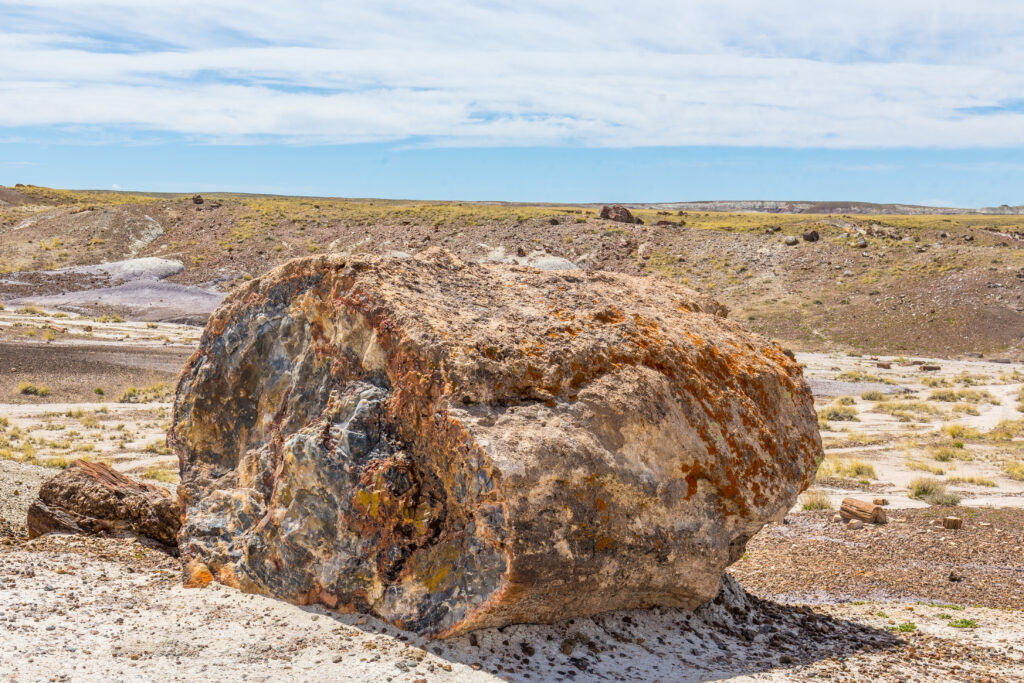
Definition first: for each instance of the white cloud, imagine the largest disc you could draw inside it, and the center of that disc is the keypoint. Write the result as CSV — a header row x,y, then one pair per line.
x,y
727,72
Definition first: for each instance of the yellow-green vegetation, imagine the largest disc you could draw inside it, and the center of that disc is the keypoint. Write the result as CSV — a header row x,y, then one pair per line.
x,y
815,499
161,474
29,389
948,453
959,431
968,395
846,400
150,394
1007,430
839,413
855,441
1014,469
924,467
87,199
908,411
851,468
873,396
908,627
861,376
963,623
158,447
973,481
932,491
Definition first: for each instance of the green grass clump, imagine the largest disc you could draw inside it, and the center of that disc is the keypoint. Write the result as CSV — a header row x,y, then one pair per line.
x,y
815,500
907,627
942,605
846,400
29,389
963,623
873,396
932,491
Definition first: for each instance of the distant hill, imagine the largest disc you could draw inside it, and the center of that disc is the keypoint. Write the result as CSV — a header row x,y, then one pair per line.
x,y
771,206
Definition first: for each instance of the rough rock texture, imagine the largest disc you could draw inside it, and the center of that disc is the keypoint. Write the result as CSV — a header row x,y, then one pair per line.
x,y
617,212
453,446
91,498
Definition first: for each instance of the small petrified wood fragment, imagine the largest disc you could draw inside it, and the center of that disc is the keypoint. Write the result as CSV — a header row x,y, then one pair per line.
x,y
852,508
91,498
454,446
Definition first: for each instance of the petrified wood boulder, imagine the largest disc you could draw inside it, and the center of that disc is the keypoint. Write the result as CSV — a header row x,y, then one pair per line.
x,y
91,498
455,446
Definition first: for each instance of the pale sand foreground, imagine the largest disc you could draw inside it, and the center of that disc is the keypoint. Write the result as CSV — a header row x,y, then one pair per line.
x,y
106,609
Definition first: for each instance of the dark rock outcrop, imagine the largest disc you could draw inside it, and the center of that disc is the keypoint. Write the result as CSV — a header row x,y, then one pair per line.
x,y
91,498
617,212
454,446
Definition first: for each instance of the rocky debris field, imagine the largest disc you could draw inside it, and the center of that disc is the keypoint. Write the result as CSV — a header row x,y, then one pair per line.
x,y
911,558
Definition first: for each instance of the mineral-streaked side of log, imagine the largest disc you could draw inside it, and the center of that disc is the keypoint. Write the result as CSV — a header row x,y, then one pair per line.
x,y
454,446
92,498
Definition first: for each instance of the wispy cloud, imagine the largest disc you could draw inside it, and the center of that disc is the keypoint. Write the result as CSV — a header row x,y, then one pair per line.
x,y
723,72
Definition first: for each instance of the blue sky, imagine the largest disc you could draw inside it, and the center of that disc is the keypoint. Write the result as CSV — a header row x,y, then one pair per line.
x,y
912,101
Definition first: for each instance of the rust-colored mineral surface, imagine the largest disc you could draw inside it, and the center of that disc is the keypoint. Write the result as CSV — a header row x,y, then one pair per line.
x,y
453,446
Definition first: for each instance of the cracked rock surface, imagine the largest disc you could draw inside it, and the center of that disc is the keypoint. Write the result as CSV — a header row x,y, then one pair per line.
x,y
452,446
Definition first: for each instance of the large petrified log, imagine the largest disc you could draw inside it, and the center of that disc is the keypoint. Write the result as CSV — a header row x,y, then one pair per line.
x,y
454,446
89,497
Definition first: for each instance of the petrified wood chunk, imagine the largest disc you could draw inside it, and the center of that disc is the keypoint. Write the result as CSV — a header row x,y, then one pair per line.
x,y
90,498
952,523
851,508
454,446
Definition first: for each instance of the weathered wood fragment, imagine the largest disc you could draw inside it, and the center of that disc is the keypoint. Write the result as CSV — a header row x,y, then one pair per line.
x,y
852,508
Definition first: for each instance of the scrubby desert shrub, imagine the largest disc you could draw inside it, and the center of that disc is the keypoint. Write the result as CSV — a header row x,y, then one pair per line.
x,y
907,411
973,481
925,467
1007,430
846,400
966,395
152,393
861,376
873,396
1014,470
948,453
932,491
29,389
815,499
838,413
846,467
959,431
